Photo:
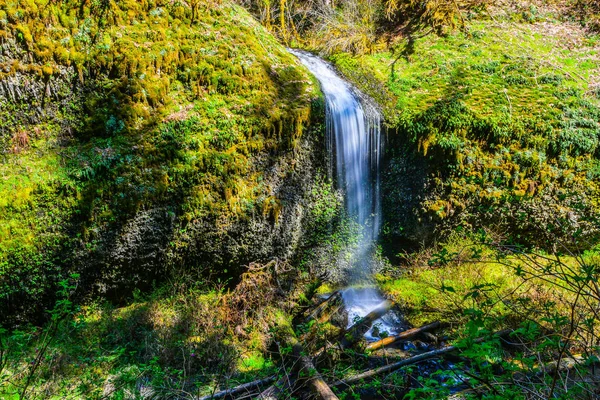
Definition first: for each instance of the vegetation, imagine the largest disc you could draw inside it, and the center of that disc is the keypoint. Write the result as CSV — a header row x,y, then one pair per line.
x,y
168,227
186,339
491,123
124,109
480,285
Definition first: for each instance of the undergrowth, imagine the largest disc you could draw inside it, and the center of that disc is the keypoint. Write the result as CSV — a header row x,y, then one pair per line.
x,y
477,285
188,338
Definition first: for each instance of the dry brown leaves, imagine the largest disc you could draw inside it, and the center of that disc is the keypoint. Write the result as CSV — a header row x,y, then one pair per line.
x,y
262,287
20,141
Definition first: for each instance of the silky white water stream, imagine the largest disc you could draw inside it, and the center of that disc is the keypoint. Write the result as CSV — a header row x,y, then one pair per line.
x,y
354,139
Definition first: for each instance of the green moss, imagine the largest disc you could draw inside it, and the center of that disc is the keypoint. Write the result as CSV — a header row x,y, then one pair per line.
x,y
443,289
169,107
253,363
23,34
500,117
325,288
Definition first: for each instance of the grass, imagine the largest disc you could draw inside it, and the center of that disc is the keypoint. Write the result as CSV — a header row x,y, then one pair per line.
x,y
439,284
443,294
451,280
544,298
184,338
498,63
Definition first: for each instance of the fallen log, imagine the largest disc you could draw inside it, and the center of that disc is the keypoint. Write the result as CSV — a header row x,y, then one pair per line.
x,y
302,368
321,308
412,360
246,387
306,371
322,314
356,331
406,335
328,316
314,380
273,392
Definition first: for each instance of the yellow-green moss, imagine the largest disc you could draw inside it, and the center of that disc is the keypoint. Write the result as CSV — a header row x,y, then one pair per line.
x,y
501,114
171,105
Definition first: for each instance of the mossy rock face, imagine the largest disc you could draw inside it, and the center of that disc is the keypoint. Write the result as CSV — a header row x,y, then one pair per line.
x,y
405,184
134,133
500,130
152,244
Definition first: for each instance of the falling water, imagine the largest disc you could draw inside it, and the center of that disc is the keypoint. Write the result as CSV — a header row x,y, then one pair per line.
x,y
354,136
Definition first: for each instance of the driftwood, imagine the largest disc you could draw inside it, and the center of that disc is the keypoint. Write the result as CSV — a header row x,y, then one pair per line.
x,y
246,387
356,331
406,335
412,360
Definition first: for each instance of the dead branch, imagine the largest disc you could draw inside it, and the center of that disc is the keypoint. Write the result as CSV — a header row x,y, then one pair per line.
x,y
302,368
356,331
246,387
322,308
273,392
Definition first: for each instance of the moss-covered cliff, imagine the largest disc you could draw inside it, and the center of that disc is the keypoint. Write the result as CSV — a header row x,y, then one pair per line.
x,y
496,129
141,138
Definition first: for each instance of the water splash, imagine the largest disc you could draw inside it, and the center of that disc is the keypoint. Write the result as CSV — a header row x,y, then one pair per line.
x,y
354,136
358,302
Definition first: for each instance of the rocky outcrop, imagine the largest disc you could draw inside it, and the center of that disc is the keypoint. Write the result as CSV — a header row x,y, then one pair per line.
x,y
156,244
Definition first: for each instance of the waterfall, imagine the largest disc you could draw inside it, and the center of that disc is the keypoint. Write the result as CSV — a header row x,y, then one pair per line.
x,y
353,128
354,136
